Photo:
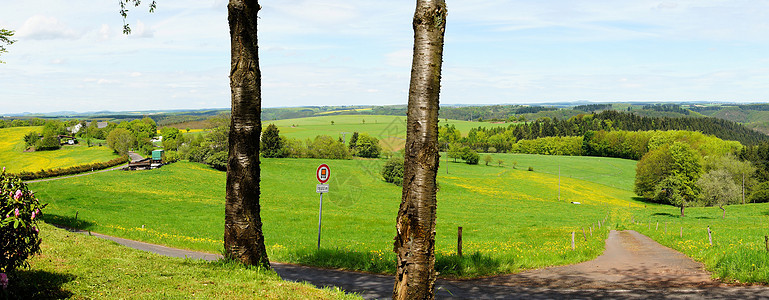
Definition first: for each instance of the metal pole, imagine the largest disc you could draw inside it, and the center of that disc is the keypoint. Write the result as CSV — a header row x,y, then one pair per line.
x,y
320,218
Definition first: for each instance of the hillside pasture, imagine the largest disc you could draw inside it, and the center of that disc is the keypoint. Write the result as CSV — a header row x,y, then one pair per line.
x,y
511,218
15,160
390,130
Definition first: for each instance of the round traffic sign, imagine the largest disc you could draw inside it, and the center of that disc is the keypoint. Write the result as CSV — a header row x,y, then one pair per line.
x,y
323,173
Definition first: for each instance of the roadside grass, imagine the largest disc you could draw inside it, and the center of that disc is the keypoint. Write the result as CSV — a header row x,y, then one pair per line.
x,y
739,251
77,266
512,219
15,160
390,130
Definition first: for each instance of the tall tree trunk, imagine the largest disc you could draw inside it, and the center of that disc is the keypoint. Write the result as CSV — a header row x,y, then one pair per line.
x,y
415,239
682,210
723,216
243,238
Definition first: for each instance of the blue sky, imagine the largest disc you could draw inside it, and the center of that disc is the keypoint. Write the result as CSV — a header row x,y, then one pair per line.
x,y
72,56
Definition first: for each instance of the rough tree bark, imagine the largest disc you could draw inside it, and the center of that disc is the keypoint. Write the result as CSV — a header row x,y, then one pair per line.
x,y
243,237
415,239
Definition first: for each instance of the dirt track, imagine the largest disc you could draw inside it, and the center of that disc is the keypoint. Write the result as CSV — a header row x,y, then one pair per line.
x,y
631,261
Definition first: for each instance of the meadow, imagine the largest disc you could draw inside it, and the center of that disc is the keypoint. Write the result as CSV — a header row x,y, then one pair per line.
x,y
740,251
82,267
15,160
512,219
390,130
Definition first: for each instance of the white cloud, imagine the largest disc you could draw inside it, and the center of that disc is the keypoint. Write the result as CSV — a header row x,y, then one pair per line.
x,y
135,74
140,30
39,27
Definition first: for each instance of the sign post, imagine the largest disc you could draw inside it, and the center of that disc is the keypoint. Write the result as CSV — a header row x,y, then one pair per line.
x,y
323,173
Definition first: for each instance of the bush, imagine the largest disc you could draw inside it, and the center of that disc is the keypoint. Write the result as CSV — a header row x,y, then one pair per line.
x,y
171,157
72,170
760,194
48,143
19,212
218,160
470,156
531,169
393,170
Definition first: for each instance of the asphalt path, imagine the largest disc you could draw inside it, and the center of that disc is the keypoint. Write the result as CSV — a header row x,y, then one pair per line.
x,y
654,272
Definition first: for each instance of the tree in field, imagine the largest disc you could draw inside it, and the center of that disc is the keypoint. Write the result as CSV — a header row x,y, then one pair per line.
x,y
718,188
415,239
243,237
121,140
500,162
272,145
5,38
487,159
455,151
353,141
673,190
653,167
367,146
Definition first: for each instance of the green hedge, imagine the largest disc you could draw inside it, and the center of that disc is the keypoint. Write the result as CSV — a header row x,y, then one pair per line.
x,y
72,170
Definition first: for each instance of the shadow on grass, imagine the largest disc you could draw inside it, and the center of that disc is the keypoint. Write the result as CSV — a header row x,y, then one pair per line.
x,y
666,214
451,266
68,222
474,264
36,284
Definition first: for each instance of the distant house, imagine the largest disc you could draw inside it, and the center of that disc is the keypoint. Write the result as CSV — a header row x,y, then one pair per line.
x,y
75,129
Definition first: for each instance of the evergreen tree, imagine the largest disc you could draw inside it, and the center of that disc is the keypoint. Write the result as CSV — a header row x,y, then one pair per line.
x,y
272,145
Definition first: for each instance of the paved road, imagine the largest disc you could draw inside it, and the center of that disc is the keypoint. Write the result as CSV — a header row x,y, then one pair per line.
x,y
371,286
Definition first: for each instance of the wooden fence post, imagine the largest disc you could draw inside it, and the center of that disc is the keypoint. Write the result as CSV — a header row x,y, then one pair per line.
x,y
710,237
583,234
682,232
666,227
657,227
591,230
766,240
459,241
599,224
572,240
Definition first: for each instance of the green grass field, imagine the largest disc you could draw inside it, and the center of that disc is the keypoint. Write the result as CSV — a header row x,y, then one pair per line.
x,y
15,160
75,266
511,218
739,251
390,130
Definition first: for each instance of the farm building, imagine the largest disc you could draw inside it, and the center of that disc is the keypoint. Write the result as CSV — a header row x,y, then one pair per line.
x,y
153,162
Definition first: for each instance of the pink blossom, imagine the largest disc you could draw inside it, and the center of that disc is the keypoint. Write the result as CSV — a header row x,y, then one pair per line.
x,y
33,215
4,280
16,212
35,229
18,195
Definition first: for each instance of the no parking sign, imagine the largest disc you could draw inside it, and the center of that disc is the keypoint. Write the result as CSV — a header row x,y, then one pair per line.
x,y
323,173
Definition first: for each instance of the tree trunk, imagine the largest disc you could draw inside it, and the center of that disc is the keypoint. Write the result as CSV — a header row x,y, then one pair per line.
x,y
682,210
723,210
243,238
415,239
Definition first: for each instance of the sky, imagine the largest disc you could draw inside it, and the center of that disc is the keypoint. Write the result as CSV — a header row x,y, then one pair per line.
x,y
72,56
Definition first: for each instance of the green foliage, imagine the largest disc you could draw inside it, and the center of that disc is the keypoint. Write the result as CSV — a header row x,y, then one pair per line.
x,y
367,146
5,38
19,212
27,175
455,151
121,140
487,159
718,188
531,169
760,193
470,156
271,144
652,167
550,146
31,138
218,160
327,147
49,142
392,171
353,141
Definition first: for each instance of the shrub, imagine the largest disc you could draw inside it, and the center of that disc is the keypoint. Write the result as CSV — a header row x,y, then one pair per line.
x,y
392,171
218,160
470,156
760,194
171,157
19,212
48,143
531,169
72,170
